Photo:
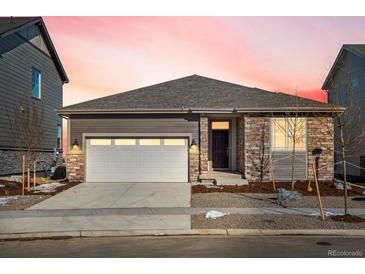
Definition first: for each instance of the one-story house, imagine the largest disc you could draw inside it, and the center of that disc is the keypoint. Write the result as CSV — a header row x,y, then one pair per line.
x,y
178,130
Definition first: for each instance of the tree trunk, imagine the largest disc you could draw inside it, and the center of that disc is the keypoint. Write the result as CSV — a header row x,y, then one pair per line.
x,y
292,168
344,168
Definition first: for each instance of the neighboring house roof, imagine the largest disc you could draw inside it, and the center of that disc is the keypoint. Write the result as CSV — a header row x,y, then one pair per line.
x,y
196,94
357,49
9,25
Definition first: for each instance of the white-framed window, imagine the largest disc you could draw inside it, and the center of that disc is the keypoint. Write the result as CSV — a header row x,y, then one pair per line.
x,y
149,142
174,142
100,142
125,142
285,132
354,82
36,84
59,136
220,125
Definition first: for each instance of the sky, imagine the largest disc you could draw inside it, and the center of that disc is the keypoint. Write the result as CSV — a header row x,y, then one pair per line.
x,y
107,55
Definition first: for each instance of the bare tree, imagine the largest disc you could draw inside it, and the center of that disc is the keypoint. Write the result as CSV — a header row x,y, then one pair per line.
x,y
348,117
293,128
26,127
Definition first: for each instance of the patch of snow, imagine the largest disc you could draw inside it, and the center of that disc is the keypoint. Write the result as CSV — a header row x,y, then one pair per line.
x,y
5,200
340,185
47,188
17,178
326,213
213,214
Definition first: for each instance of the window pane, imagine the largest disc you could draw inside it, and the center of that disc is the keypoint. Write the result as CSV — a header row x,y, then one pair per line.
x,y
174,142
101,142
125,142
284,130
36,82
299,132
59,137
149,142
280,133
220,125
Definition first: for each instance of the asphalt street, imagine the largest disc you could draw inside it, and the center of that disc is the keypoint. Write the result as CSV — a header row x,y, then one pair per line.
x,y
188,246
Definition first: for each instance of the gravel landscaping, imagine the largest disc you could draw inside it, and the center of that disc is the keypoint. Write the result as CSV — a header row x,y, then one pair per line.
x,y
22,202
270,222
227,200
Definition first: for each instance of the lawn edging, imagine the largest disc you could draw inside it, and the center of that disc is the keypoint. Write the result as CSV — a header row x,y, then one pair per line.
x,y
181,232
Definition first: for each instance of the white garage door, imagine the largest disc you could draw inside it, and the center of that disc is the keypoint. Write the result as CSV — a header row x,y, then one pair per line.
x,y
136,160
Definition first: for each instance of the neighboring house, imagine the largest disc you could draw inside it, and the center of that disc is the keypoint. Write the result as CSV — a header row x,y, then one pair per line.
x,y
31,77
348,70
178,130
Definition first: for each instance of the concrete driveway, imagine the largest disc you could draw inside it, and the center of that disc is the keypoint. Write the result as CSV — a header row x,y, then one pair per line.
x,y
120,195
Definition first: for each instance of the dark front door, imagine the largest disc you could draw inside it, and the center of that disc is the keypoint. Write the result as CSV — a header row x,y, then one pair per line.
x,y
220,142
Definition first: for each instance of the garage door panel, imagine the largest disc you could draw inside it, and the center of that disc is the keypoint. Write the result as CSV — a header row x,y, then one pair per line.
x,y
152,162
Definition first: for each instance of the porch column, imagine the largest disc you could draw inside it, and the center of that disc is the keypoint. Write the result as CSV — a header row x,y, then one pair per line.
x,y
203,144
256,140
320,134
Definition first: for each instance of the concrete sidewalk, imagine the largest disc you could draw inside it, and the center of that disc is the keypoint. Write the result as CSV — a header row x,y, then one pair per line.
x,y
140,221
165,211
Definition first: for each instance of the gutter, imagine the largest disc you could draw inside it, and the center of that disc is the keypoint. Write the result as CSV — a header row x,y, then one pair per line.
x,y
65,112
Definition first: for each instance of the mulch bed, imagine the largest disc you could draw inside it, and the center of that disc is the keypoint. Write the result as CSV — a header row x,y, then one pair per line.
x,y
325,188
348,218
13,188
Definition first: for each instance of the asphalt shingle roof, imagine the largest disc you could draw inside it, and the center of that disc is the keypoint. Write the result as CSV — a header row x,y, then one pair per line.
x,y
195,92
10,23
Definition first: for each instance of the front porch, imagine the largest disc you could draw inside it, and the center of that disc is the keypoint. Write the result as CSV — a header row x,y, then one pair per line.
x,y
222,150
223,178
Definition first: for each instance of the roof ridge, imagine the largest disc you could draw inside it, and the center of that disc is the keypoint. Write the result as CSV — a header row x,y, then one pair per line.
x,y
132,90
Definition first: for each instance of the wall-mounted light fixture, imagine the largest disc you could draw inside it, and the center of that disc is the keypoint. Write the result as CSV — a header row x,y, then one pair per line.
x,y
75,145
193,145
317,153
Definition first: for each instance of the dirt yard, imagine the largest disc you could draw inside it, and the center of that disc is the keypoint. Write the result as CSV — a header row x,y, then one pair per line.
x,y
325,188
11,198
272,221
228,199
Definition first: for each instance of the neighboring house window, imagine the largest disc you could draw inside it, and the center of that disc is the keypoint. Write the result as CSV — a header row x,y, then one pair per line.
x,y
59,136
284,130
36,84
354,82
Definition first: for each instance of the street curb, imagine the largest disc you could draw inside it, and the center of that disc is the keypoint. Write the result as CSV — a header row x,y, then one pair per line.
x,y
181,232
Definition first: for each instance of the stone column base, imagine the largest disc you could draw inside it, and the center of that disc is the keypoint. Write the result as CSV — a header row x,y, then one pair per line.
x,y
75,166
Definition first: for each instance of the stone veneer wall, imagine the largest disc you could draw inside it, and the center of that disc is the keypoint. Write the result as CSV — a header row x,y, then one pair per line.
x,y
75,166
11,161
194,164
240,146
320,134
203,144
256,135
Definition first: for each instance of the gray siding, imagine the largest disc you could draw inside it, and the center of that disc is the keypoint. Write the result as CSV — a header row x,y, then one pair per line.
x,y
17,58
282,161
133,124
356,66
